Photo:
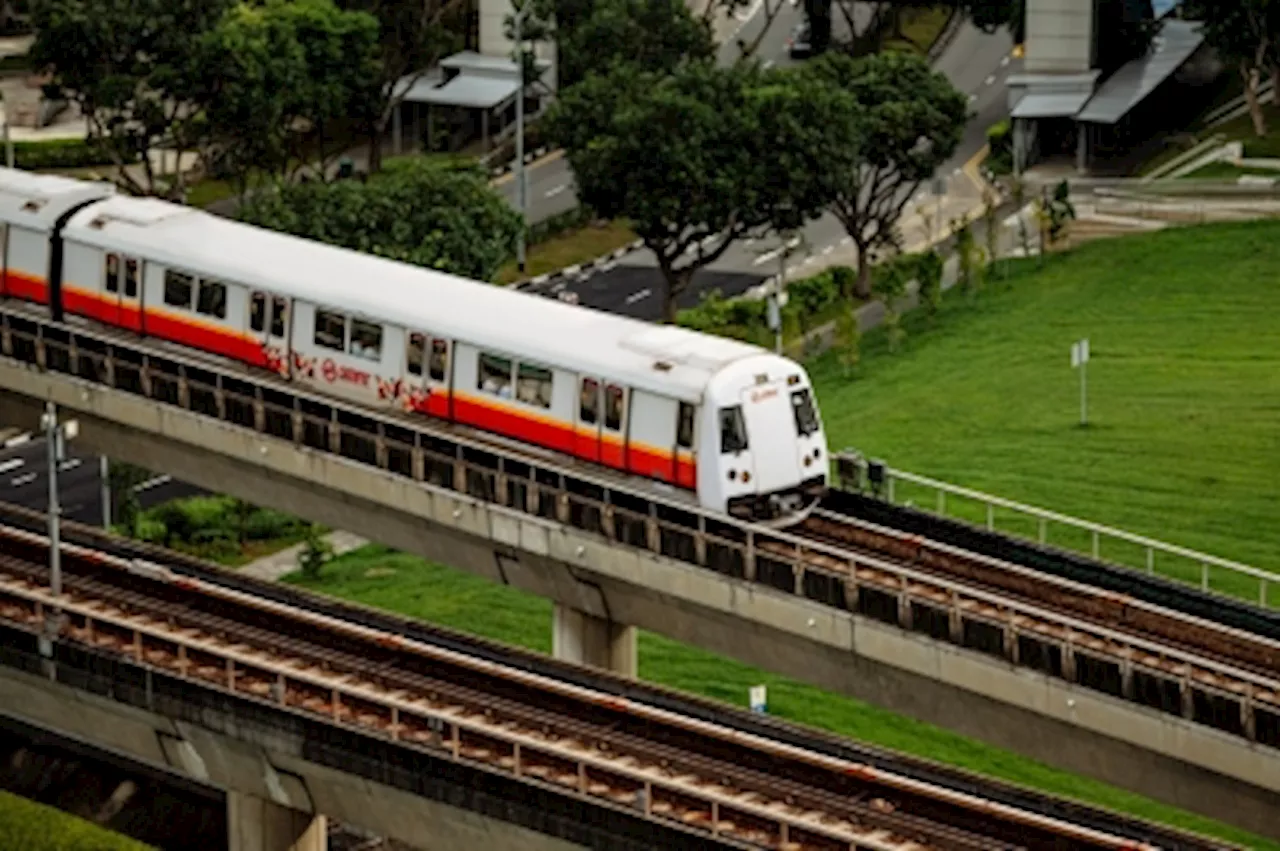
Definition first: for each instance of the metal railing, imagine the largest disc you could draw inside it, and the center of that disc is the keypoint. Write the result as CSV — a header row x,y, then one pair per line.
x,y
1192,567
469,472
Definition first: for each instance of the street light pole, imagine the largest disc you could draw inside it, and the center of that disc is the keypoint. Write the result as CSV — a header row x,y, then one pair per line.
x,y
520,173
56,438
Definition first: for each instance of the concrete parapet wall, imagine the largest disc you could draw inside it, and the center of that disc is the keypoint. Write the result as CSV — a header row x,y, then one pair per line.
x,y
1075,728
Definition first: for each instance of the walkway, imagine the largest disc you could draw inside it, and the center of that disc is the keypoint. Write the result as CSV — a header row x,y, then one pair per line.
x,y
285,561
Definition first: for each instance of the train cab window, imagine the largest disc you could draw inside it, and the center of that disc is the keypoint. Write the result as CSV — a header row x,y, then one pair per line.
x,y
331,330
212,300
417,346
279,315
533,385
131,278
439,364
258,312
178,289
495,375
733,430
111,275
806,416
589,402
613,407
366,340
684,426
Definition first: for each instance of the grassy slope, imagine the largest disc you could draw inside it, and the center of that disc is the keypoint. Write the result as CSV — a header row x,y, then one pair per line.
x,y
28,826
1184,389
438,594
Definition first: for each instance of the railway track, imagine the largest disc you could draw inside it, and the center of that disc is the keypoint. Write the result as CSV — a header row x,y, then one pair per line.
x,y
741,789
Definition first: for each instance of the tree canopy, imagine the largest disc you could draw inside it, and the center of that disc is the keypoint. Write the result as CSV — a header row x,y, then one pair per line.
x,y
655,35
1246,34
907,122
436,213
697,158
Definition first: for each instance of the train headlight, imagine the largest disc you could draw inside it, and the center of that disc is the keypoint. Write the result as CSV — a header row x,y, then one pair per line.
x,y
746,477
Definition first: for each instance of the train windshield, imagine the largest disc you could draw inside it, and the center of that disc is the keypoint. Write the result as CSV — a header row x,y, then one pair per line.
x,y
733,430
806,416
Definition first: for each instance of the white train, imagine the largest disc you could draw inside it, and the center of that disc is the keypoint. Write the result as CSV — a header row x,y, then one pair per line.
x,y
730,423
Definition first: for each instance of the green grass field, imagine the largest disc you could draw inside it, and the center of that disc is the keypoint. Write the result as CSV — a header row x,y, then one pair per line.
x,y
397,582
28,826
1184,392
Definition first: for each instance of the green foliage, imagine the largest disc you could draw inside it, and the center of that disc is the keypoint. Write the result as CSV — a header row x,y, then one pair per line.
x,y
809,300
28,826
216,527
888,285
269,69
560,223
905,120
122,481
848,339
418,210
699,158
653,35
1000,146
1057,210
928,272
315,554
967,255
133,70
60,153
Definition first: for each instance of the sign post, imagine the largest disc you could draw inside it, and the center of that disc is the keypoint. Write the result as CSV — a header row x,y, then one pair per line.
x,y
1080,357
757,696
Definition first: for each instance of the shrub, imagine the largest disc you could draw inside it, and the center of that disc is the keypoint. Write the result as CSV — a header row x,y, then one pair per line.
x,y
60,153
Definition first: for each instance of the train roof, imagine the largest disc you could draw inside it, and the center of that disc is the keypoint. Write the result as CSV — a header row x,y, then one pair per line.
x,y
660,358
37,200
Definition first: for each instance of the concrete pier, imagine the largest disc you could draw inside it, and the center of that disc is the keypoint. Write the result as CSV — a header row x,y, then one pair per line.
x,y
577,636
256,824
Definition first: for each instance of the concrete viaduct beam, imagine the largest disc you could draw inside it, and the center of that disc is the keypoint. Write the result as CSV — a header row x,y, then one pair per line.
x,y
1078,729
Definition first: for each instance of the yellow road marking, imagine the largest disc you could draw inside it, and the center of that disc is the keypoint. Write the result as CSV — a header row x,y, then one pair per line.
x,y
511,175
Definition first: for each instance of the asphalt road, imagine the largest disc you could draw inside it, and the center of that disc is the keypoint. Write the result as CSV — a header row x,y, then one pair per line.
x,y
24,481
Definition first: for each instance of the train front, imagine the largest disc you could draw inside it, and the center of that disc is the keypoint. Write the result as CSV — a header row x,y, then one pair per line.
x,y
765,456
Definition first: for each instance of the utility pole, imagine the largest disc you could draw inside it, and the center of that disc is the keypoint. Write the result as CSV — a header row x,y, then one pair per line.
x,y
523,187
104,473
55,438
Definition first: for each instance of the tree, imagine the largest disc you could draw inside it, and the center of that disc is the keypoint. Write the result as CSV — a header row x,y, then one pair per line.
x,y
122,482
655,35
929,268
414,35
1245,33
699,158
419,210
909,121
279,76
315,553
128,65
889,285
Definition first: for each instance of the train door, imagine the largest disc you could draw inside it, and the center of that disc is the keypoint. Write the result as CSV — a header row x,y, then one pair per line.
x,y
427,365
122,292
269,323
684,472
613,428
586,427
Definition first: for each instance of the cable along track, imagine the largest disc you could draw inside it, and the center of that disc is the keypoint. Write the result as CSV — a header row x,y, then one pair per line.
x,y
741,789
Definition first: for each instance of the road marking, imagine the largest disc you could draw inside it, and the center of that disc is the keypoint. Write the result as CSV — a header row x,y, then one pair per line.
x,y
6,466
151,483
972,98
991,78
23,480
551,193
643,294
70,465
846,240
17,441
828,249
767,64
1004,60
511,175
750,13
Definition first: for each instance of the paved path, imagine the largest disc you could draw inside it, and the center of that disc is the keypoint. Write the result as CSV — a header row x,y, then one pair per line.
x,y
285,561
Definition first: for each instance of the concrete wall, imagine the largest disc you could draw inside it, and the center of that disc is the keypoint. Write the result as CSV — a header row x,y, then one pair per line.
x,y
1059,36
1076,729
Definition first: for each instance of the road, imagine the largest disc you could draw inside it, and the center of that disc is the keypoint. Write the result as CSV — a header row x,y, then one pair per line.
x,y
24,481
977,63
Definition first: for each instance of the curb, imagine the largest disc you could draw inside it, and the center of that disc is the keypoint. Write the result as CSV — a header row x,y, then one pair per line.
x,y
946,37
554,283
507,168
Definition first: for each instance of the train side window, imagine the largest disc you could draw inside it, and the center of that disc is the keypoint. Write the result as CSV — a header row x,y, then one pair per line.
x,y
331,330
533,386
111,274
131,278
733,430
279,315
439,359
178,289
806,416
258,312
366,340
213,299
684,426
495,375
417,345
613,404
589,404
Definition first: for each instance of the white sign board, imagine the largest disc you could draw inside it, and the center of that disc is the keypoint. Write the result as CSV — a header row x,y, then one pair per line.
x,y
758,698
1080,352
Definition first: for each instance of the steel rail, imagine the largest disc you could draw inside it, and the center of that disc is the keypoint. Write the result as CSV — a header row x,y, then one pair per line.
x,y
255,659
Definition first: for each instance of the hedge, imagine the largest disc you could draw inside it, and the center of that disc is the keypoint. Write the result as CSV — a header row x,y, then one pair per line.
x,y
809,300
59,153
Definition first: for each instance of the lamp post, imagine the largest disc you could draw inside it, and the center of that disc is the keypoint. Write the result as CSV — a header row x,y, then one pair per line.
x,y
522,183
55,437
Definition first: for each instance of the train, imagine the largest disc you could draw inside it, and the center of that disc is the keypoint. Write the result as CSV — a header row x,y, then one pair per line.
x,y
727,425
